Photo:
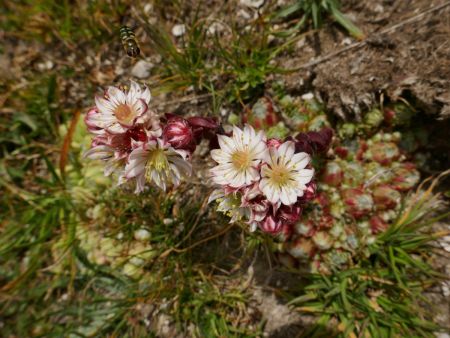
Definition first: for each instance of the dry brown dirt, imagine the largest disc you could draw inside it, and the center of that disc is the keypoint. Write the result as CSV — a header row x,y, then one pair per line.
x,y
406,54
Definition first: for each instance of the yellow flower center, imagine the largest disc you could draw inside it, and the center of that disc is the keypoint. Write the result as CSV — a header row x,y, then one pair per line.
x,y
241,160
280,175
157,160
124,113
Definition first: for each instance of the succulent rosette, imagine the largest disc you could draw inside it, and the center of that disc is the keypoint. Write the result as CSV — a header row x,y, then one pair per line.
x,y
357,192
138,144
268,180
360,192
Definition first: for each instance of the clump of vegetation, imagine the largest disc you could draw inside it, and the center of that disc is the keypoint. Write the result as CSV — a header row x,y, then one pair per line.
x,y
316,12
382,294
80,256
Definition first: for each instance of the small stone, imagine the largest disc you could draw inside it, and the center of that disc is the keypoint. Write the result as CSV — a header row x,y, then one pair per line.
x,y
148,8
442,335
49,64
142,235
244,14
178,30
168,221
252,3
215,28
141,69
445,289
308,96
347,41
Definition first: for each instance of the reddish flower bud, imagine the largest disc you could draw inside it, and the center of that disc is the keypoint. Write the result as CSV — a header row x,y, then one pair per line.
x,y
273,142
206,128
321,140
389,115
361,150
179,134
310,192
342,152
203,122
290,214
285,233
271,225
314,142
333,174
377,225
357,203
386,197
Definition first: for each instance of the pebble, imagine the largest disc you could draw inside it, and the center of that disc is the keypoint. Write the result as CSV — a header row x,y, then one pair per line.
x,y
445,289
252,3
215,27
141,69
442,335
142,235
347,41
445,243
167,221
178,30
244,14
46,65
308,96
148,9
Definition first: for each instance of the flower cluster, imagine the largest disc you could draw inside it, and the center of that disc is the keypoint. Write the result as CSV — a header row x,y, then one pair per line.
x,y
137,144
265,181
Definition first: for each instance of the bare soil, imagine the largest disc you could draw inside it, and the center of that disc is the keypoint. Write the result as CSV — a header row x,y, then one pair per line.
x,y
406,54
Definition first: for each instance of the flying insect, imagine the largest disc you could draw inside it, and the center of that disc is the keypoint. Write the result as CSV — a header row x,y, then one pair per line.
x,y
129,42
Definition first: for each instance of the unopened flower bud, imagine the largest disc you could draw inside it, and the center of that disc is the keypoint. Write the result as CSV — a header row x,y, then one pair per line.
x,y
290,214
271,225
273,142
310,192
179,134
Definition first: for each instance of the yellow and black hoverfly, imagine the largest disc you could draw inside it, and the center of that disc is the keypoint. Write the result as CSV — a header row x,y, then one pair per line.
x,y
129,41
